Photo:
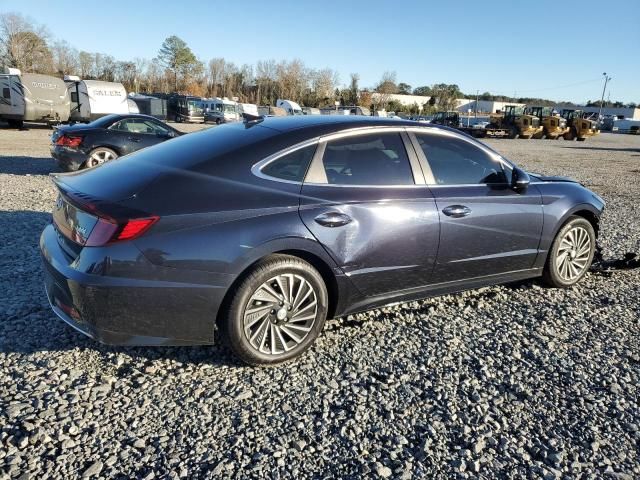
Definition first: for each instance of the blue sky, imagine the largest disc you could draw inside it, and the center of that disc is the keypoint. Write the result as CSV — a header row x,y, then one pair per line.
x,y
550,49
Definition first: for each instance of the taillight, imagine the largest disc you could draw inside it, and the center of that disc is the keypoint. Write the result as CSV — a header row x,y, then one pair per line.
x,y
107,231
69,141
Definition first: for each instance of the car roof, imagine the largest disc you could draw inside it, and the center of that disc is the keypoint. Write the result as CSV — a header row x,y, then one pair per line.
x,y
334,122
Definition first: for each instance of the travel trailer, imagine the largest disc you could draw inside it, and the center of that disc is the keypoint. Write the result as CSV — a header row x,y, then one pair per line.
x,y
91,99
292,108
156,107
220,110
31,97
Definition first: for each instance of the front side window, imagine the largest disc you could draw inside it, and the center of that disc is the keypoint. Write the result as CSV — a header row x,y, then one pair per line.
x,y
6,93
457,162
139,126
372,159
292,166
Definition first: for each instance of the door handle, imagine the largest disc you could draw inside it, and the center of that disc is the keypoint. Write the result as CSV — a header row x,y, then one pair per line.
x,y
333,219
133,139
456,211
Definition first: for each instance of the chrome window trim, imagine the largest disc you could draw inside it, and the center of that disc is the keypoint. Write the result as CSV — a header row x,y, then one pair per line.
x,y
494,155
256,169
317,177
438,131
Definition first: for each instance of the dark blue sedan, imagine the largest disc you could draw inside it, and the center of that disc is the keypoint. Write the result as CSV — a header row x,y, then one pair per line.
x,y
87,145
261,230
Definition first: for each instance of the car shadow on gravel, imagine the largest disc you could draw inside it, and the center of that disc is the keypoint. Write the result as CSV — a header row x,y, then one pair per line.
x,y
608,149
26,127
28,165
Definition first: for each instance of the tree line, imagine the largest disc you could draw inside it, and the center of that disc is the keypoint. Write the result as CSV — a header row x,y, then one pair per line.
x,y
30,47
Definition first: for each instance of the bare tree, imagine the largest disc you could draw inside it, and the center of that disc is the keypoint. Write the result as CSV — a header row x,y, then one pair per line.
x,y
23,45
385,89
65,58
215,75
85,64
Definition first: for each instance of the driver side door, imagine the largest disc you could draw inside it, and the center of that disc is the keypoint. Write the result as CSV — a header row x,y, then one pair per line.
x,y
486,227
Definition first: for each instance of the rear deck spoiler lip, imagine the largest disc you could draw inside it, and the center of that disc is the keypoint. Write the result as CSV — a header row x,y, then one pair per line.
x,y
108,209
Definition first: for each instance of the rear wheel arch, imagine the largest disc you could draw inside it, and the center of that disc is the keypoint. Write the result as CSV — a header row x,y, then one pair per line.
x,y
316,261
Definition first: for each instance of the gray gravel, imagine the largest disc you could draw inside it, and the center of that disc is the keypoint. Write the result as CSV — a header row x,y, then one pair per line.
x,y
511,381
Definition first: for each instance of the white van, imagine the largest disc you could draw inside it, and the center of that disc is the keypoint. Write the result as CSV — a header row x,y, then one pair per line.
x,y
91,99
31,97
220,110
291,107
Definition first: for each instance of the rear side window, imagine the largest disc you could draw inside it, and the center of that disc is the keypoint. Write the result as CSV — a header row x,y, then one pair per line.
x,y
372,159
6,93
457,162
292,166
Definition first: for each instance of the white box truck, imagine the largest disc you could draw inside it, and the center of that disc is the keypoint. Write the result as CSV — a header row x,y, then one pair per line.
x,y
91,99
32,97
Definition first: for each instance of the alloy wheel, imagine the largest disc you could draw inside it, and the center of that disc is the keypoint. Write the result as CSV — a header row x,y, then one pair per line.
x,y
280,314
573,254
99,156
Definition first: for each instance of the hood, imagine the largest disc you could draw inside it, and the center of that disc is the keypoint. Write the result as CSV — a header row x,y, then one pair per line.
x,y
551,178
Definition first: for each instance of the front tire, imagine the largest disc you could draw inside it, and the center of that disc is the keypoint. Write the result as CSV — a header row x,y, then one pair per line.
x,y
571,253
277,311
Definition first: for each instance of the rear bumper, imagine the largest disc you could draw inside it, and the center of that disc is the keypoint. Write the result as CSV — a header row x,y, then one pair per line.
x,y
68,159
159,309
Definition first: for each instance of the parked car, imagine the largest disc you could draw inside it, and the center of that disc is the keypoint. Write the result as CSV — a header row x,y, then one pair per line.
x,y
266,228
89,145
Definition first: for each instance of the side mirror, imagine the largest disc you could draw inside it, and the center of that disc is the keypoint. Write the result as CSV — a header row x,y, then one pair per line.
x,y
520,179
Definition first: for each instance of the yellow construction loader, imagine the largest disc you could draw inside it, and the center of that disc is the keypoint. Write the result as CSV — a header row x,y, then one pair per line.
x,y
553,125
580,127
516,121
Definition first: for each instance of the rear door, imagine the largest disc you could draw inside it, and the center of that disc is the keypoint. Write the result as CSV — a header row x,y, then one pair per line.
x,y
364,199
137,133
486,227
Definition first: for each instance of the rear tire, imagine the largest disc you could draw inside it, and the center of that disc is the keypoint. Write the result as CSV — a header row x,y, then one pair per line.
x,y
98,156
276,312
15,123
571,253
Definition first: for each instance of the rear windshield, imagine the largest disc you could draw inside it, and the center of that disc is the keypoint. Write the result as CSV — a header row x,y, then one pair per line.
x,y
195,148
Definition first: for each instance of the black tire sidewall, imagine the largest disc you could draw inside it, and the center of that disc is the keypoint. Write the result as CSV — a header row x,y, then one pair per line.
x,y
551,275
232,327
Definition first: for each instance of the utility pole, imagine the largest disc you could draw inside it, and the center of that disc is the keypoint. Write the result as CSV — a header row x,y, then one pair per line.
x,y
606,79
477,95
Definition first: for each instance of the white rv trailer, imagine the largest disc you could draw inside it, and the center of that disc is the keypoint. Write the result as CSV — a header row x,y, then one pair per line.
x,y
291,107
31,97
91,99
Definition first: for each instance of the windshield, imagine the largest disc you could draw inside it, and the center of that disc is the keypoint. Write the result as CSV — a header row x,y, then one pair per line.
x,y
194,105
229,108
297,112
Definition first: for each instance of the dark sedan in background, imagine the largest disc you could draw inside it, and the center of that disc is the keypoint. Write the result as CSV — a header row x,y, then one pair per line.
x,y
86,145
265,229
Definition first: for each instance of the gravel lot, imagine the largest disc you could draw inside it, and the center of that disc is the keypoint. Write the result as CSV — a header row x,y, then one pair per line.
x,y
515,381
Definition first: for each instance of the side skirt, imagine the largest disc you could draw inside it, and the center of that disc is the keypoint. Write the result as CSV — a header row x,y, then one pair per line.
x,y
438,289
